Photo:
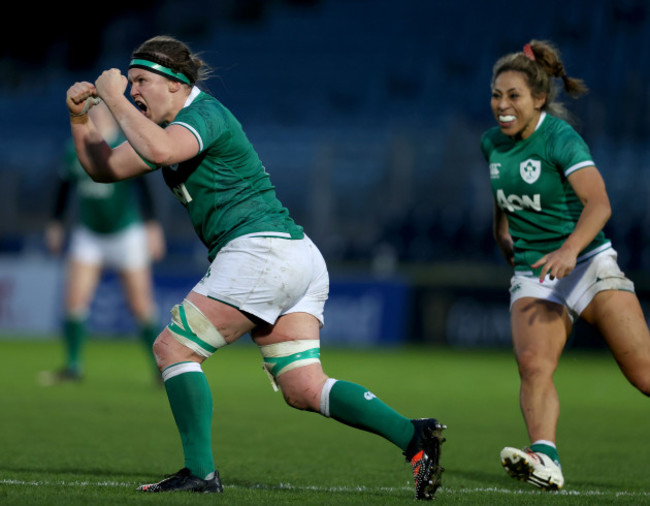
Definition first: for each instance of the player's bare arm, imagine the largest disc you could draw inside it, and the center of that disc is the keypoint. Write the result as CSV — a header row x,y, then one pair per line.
x,y
589,186
140,122
102,163
502,234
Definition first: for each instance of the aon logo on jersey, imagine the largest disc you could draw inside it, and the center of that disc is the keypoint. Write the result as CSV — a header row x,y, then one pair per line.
x,y
519,202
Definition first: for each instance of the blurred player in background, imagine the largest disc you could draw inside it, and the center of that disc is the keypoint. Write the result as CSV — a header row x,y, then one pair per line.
x,y
550,209
117,229
266,278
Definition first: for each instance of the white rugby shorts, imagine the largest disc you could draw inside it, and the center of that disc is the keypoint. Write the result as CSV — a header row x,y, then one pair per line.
x,y
123,250
594,274
268,274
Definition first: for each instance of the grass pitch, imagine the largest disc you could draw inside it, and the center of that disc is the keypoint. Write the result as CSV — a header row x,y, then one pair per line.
x,y
93,443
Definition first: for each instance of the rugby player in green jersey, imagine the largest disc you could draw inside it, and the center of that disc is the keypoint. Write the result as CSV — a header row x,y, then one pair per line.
x,y
116,229
266,277
550,209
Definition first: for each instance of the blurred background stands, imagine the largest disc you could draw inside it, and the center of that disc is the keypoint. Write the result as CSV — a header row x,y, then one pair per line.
x,y
367,115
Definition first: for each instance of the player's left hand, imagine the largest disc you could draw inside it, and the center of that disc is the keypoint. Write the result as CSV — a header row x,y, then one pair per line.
x,y
557,264
111,83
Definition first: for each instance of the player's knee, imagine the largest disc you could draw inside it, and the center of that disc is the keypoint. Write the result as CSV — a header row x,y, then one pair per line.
x,y
532,365
291,365
161,351
303,397
144,313
167,350
192,329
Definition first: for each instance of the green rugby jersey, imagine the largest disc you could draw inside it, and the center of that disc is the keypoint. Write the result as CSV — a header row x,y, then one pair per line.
x,y
529,183
104,208
225,188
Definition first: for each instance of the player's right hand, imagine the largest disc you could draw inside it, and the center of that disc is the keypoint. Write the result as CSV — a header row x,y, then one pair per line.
x,y
77,95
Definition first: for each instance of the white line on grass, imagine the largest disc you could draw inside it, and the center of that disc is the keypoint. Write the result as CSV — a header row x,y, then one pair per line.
x,y
67,483
314,488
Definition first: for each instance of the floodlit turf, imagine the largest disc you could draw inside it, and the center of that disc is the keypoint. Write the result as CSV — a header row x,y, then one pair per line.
x,y
93,443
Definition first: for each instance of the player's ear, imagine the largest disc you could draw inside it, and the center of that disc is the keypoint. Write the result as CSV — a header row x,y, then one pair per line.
x,y
539,101
173,86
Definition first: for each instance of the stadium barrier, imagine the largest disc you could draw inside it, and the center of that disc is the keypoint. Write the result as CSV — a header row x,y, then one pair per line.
x,y
460,305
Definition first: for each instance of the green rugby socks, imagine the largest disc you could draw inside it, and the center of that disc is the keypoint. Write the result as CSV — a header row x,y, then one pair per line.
x,y
355,406
190,399
74,334
548,449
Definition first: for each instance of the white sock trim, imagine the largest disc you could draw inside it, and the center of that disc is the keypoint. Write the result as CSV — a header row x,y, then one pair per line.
x,y
545,442
325,397
180,368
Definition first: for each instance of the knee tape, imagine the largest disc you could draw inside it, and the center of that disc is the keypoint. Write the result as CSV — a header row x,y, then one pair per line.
x,y
284,357
191,328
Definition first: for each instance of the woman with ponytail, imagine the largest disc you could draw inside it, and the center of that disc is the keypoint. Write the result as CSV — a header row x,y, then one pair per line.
x,y
551,205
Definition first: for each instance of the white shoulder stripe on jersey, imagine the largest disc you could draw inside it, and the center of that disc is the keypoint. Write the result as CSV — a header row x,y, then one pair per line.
x,y
193,130
578,166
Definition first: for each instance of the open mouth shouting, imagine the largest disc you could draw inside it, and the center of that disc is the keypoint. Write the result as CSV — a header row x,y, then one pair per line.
x,y
142,106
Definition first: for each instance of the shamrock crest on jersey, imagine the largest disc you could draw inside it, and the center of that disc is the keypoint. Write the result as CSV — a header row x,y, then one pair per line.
x,y
530,170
